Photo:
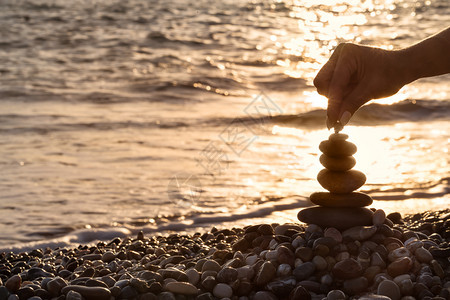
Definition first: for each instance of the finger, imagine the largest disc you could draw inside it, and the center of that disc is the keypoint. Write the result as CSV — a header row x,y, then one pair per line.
x,y
323,77
351,103
339,87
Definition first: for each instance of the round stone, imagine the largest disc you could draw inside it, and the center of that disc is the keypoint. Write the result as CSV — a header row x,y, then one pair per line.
x,y
304,271
356,285
333,233
390,289
222,290
55,285
341,182
337,148
338,137
336,295
423,255
193,276
379,216
343,163
400,266
211,265
266,273
264,295
340,218
13,283
347,269
183,288
227,275
355,199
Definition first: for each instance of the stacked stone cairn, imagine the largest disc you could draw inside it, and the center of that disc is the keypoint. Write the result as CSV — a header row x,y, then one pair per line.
x,y
341,207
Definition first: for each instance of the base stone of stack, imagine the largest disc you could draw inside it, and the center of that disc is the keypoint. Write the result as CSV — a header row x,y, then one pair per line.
x,y
338,217
354,199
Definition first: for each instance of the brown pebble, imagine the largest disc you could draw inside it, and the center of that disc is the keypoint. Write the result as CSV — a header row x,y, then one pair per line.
x,y
355,199
266,273
340,217
337,148
400,266
341,182
379,216
337,163
338,137
437,268
347,269
13,283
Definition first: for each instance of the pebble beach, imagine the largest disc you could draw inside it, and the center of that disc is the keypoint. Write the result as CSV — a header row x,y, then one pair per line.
x,y
398,257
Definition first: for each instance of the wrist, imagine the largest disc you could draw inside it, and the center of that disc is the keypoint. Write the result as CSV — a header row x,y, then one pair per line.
x,y
406,65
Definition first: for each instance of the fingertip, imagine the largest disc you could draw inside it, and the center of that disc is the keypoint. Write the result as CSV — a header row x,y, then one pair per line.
x,y
345,117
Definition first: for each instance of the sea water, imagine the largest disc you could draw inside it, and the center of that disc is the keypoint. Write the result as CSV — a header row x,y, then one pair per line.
x,y
180,115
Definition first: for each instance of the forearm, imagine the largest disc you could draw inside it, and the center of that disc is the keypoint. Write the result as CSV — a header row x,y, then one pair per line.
x,y
430,57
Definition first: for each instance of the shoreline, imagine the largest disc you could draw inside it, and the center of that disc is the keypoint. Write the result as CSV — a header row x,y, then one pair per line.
x,y
265,261
282,211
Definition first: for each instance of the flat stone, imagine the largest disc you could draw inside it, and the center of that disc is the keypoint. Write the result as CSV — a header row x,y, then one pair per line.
x,y
340,218
183,288
337,148
338,137
343,163
359,233
94,293
341,182
355,199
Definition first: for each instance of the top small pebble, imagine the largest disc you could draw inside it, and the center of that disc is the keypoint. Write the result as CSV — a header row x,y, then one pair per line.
x,y
338,137
338,127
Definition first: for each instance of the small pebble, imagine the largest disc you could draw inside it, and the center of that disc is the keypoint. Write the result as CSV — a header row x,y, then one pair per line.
x,y
222,290
378,218
390,289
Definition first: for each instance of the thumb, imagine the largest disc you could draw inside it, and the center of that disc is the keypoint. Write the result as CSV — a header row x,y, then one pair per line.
x,y
351,103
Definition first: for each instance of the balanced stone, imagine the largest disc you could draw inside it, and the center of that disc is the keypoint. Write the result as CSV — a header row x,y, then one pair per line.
x,y
354,199
338,217
343,163
337,148
338,137
341,182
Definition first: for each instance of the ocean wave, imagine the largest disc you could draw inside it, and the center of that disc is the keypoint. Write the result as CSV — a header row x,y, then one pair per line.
x,y
375,114
190,222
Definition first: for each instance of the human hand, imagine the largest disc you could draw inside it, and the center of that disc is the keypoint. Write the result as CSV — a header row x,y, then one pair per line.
x,y
354,75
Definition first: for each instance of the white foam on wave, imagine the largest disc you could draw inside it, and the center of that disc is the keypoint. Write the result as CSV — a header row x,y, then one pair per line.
x,y
82,236
245,216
